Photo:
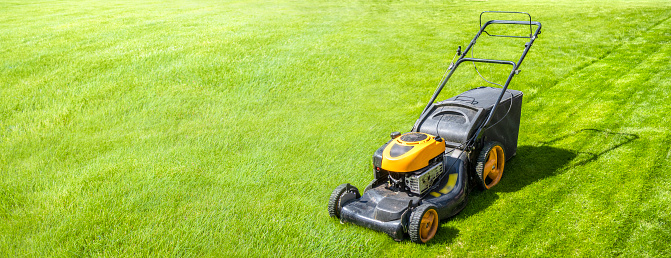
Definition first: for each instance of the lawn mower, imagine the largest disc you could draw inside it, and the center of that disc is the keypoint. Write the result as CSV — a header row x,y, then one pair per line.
x,y
424,176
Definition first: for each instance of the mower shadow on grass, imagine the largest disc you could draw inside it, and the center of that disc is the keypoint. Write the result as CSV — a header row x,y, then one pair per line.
x,y
578,138
534,163
531,164
446,234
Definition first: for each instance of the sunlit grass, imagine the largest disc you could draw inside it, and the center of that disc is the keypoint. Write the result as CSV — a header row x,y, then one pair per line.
x,y
208,128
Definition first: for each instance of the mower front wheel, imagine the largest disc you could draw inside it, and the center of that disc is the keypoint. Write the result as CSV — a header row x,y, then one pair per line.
x,y
423,223
340,195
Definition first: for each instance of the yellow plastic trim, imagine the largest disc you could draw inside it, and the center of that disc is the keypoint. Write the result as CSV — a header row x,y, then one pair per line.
x,y
451,181
416,158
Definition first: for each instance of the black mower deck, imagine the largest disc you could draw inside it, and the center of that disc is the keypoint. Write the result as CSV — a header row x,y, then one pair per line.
x,y
386,210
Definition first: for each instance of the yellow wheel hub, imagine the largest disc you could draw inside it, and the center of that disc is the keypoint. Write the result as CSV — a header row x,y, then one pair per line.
x,y
428,225
493,168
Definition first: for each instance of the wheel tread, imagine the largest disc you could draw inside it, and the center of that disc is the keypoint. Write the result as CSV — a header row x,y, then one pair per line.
x,y
334,210
415,222
482,160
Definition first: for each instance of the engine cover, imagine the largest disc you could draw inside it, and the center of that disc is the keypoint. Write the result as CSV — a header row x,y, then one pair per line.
x,y
410,152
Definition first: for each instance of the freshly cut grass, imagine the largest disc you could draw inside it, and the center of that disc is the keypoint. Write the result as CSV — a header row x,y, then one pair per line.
x,y
209,128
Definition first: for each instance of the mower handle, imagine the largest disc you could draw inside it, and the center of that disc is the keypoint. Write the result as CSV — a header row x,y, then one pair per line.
x,y
508,22
480,60
462,58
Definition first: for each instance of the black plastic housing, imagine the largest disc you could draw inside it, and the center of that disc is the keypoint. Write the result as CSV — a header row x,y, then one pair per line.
x,y
456,119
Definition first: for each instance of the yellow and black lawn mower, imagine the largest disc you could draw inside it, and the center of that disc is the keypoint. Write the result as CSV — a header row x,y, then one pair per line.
x,y
424,176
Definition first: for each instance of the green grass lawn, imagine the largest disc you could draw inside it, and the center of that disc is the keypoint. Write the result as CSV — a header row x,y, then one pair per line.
x,y
213,128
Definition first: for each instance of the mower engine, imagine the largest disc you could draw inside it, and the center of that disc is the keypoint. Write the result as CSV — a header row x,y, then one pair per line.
x,y
412,161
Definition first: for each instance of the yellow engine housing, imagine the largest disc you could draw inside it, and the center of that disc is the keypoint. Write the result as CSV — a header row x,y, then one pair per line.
x,y
410,152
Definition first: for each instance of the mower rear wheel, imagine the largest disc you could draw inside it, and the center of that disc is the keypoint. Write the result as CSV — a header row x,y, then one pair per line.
x,y
489,167
335,200
423,223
